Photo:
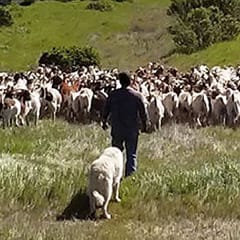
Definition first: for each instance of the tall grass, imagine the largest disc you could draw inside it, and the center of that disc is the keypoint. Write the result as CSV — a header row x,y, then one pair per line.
x,y
187,184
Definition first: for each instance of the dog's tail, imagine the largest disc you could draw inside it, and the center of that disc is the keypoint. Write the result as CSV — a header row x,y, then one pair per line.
x,y
99,199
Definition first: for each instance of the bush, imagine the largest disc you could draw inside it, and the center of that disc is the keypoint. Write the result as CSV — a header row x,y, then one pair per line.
x,y
184,38
65,1
26,2
200,23
101,5
5,17
67,58
131,1
182,7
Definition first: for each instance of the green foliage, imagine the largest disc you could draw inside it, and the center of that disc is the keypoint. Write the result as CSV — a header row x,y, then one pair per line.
x,y
27,2
209,22
5,17
100,5
71,57
184,37
183,7
200,22
47,24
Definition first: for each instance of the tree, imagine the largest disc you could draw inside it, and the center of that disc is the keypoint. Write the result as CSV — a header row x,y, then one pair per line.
x,y
200,23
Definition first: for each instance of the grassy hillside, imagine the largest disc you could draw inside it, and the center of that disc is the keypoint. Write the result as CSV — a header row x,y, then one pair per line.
x,y
187,185
122,35
226,53
129,36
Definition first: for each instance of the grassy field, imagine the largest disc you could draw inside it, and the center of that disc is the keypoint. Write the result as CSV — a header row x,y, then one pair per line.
x,y
187,185
122,35
221,54
129,36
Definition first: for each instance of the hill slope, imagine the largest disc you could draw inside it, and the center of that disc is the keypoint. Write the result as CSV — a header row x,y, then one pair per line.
x,y
130,35
225,53
123,35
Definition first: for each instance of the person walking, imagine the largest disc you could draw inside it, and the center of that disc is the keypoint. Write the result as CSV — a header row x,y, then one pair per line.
x,y
124,106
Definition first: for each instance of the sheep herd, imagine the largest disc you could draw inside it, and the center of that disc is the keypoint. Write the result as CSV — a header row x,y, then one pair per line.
x,y
202,96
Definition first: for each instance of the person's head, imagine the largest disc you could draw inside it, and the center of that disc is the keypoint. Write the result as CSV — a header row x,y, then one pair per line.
x,y
124,79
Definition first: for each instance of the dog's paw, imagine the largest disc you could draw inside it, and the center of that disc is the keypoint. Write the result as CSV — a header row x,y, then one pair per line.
x,y
118,199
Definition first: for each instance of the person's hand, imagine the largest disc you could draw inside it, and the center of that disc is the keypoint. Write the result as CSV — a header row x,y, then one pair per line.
x,y
104,125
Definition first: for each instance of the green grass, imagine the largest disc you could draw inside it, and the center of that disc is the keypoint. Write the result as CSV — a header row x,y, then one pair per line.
x,y
187,184
44,25
222,54
130,35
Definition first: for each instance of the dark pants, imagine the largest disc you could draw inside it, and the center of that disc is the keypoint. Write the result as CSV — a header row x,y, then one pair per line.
x,y
131,151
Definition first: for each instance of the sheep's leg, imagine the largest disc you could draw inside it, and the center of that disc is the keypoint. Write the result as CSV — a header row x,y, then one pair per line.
x,y
53,109
54,116
16,121
27,120
22,119
4,123
159,124
36,118
199,124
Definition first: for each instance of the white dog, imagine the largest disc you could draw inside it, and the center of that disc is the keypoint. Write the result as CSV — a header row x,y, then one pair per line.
x,y
104,178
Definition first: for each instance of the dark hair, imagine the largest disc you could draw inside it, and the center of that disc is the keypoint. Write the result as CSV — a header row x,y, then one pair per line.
x,y
124,79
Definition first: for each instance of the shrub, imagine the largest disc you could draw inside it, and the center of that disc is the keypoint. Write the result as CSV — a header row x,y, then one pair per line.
x,y
182,7
64,1
200,23
26,2
123,1
5,17
71,57
101,5
184,38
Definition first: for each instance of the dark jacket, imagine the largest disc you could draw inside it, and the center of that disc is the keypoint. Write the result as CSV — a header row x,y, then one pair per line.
x,y
125,106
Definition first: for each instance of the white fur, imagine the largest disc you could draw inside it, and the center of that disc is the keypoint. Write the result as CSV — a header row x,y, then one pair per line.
x,y
32,107
104,179
55,105
156,112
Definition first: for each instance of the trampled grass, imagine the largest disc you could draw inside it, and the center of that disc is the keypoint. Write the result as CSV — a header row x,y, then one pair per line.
x,y
187,185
